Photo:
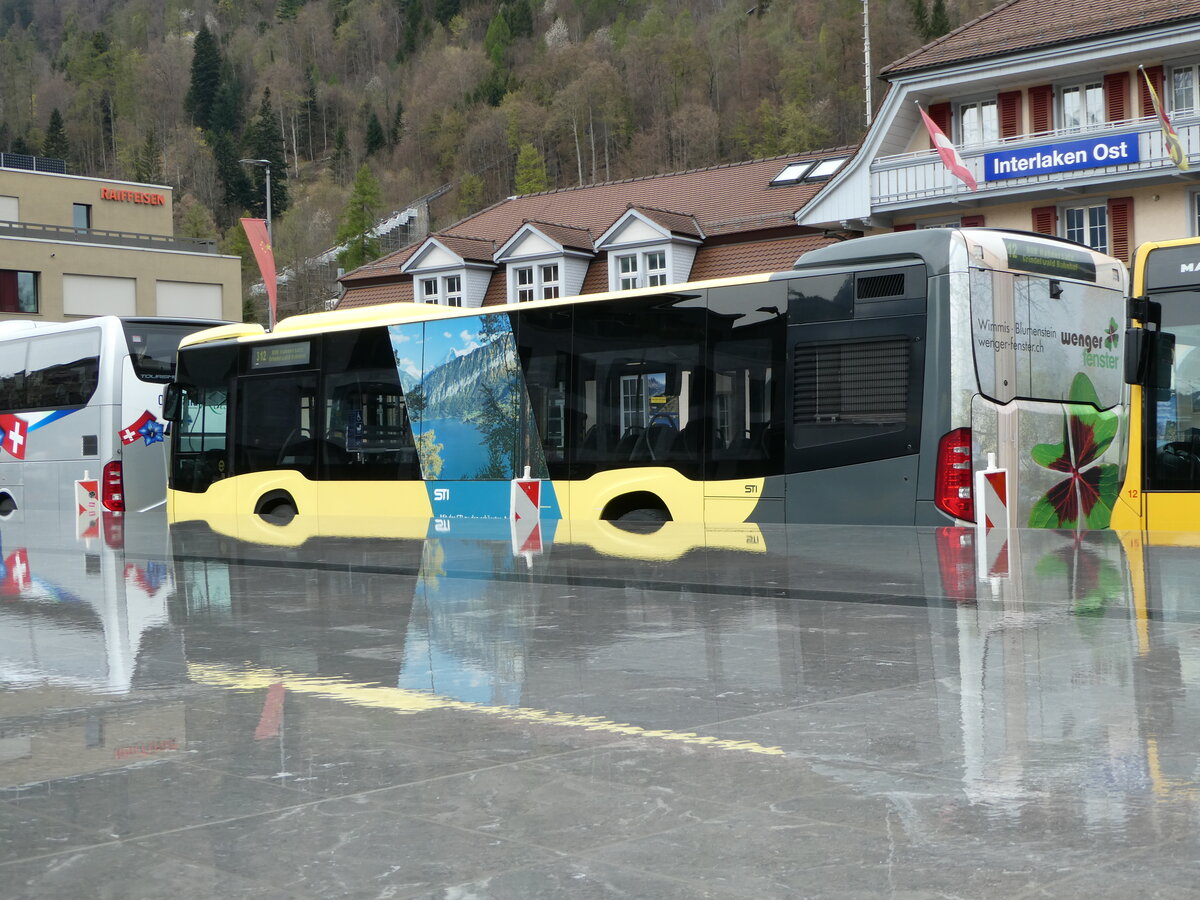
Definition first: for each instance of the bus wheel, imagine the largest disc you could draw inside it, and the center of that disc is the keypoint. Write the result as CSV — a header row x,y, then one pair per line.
x,y
640,511
276,507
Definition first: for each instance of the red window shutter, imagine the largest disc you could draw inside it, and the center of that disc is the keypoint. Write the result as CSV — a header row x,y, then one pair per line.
x,y
1009,105
1155,74
909,227
941,113
1120,227
1045,219
971,221
1116,96
1041,108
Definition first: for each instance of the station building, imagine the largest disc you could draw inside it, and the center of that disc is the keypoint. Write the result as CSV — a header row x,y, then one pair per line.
x,y
1049,108
73,247
1045,100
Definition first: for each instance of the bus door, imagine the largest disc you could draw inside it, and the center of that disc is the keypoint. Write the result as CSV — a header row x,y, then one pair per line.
x,y
277,437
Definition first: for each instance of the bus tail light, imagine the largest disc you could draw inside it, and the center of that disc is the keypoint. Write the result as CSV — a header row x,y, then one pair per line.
x,y
952,488
112,487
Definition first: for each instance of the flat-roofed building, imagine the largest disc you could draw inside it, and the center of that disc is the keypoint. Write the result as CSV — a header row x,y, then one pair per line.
x,y
72,246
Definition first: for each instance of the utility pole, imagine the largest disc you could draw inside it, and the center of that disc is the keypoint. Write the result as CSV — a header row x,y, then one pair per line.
x,y
867,58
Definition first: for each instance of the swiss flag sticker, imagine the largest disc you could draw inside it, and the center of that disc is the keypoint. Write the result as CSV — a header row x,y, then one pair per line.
x,y
15,434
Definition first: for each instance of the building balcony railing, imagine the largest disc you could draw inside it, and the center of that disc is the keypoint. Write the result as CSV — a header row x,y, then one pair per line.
x,y
920,179
102,236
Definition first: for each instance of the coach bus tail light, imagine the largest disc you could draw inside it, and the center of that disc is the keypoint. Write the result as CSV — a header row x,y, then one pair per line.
x,y
112,487
952,490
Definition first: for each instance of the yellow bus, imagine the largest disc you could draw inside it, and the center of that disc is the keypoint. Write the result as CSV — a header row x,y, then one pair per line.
x,y
866,385
1163,475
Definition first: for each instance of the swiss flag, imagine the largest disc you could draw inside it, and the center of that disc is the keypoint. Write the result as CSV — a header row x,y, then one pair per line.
x,y
133,433
15,433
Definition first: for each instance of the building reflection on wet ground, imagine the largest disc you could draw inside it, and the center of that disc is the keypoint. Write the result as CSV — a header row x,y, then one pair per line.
x,y
740,712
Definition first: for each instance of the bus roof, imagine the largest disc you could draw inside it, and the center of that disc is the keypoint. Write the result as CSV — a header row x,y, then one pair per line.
x,y
399,312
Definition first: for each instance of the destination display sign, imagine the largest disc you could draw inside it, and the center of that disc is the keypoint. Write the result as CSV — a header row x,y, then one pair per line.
x,y
1069,156
275,355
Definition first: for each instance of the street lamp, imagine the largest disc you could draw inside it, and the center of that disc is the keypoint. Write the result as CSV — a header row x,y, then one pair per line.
x,y
266,164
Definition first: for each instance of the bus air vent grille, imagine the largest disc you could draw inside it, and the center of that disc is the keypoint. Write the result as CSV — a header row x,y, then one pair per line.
x,y
878,287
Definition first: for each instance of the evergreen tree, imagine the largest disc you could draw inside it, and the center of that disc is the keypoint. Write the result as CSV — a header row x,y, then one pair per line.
x,y
238,191
358,220
264,140
148,164
375,138
519,16
341,155
287,9
206,77
531,170
498,38
939,19
56,143
226,111
397,129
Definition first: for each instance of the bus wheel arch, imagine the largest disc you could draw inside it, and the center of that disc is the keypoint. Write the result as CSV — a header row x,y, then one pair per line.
x,y
637,508
277,507
8,504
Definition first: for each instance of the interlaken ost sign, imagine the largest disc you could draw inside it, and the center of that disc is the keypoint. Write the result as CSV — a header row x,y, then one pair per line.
x,y
1069,156
121,195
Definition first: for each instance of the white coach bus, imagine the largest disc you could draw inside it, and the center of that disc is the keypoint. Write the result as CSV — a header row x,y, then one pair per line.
x,y
82,401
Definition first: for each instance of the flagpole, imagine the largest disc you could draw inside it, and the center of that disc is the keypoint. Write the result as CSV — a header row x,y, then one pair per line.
x,y
867,58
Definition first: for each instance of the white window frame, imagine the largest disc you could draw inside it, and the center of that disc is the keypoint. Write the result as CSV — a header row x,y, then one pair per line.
x,y
1092,219
524,287
1194,213
1183,99
1092,108
648,267
444,290
550,280
985,129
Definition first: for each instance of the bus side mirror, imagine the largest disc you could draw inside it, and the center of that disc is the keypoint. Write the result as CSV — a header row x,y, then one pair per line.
x,y
1149,359
173,401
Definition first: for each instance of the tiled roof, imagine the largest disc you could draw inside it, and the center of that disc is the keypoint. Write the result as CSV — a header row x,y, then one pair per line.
x,y
567,235
469,248
722,199
676,223
1023,25
372,295
778,255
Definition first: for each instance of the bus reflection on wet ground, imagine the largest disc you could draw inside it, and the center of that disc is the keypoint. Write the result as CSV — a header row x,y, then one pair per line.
x,y
803,711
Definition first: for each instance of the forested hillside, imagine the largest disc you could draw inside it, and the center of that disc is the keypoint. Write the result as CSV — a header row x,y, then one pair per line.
x,y
490,98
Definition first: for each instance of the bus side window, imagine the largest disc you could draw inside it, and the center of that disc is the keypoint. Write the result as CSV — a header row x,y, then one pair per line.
x,y
63,369
12,375
365,432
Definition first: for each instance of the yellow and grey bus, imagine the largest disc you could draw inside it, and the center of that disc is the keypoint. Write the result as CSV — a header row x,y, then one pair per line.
x,y
866,385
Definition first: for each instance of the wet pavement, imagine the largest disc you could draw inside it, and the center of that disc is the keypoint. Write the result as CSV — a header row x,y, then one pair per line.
x,y
804,712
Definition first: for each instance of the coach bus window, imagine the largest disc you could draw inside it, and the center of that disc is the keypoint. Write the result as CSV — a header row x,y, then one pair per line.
x,y
62,369
366,434
201,431
12,375
635,367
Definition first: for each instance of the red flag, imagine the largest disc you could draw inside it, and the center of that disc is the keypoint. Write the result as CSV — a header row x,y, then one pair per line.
x,y
15,431
132,434
947,152
1170,135
260,243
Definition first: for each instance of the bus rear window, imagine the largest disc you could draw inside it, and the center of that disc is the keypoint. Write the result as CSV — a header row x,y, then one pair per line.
x,y
153,345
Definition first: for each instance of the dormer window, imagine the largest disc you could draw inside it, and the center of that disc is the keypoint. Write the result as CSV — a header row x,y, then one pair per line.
x,y
445,290
538,282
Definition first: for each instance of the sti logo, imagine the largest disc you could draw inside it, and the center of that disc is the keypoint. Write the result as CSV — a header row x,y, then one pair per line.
x,y
441,493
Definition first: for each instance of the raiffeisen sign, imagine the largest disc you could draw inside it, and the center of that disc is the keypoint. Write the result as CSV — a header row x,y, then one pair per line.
x,y
1091,153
